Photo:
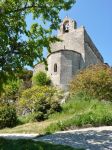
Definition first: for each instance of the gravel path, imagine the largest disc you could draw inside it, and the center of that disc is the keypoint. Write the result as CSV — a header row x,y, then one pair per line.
x,y
91,138
18,136
99,138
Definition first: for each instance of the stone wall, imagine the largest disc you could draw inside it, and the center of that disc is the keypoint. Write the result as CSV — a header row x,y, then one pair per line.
x,y
72,25
92,54
39,67
68,63
71,41
54,58
90,57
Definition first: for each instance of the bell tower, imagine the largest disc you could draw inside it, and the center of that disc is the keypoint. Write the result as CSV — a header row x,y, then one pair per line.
x,y
68,25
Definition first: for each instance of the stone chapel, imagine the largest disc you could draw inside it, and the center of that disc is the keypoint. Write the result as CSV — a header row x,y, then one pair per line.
x,y
75,52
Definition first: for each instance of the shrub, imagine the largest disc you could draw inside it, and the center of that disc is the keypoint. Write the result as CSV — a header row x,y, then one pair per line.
x,y
8,116
11,91
95,81
26,76
40,100
41,79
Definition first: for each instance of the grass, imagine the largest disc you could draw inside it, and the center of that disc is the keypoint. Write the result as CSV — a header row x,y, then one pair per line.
x,y
21,144
34,127
82,112
77,112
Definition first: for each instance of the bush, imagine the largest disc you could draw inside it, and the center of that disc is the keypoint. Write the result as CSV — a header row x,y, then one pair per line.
x,y
39,100
8,116
26,76
41,79
95,81
11,92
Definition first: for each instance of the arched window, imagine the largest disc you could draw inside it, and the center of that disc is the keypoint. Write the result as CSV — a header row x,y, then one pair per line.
x,y
55,67
66,26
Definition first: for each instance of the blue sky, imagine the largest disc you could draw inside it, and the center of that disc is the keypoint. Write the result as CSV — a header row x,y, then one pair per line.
x,y
96,16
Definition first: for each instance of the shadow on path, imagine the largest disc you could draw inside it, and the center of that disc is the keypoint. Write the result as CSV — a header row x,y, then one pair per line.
x,y
90,140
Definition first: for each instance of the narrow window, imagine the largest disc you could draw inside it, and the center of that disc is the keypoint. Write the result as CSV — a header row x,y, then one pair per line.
x,y
66,27
55,67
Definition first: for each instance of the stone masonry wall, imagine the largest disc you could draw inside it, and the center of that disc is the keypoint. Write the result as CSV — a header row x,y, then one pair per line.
x,y
92,55
70,65
39,67
54,58
71,41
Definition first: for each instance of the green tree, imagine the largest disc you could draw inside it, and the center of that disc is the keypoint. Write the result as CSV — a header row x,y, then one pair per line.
x,y
41,79
16,52
94,81
11,92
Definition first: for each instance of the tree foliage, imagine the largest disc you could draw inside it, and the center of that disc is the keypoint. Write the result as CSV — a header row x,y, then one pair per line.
x,y
41,79
26,77
8,117
16,51
11,92
95,81
44,101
